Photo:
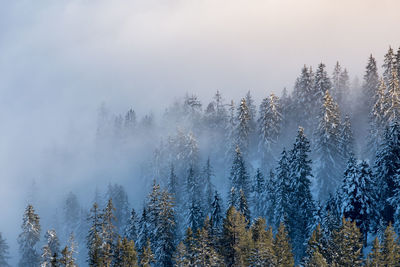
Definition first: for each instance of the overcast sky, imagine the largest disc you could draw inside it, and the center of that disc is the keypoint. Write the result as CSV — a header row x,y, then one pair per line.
x,y
60,59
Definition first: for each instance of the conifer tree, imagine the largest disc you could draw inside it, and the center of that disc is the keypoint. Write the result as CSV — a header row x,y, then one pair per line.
x,y
258,196
239,177
195,211
389,65
322,84
230,142
108,235
51,248
205,254
303,95
375,258
262,253
4,252
329,161
94,240
371,84
392,111
208,173
243,128
131,231
243,206
390,248
301,210
120,202
236,240
316,249
125,254
28,238
387,166
216,219
346,144
143,234
282,248
165,231
347,242
67,254
147,256
282,190
269,125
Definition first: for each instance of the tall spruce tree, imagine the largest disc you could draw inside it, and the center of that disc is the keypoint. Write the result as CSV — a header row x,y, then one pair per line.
x,y
258,194
207,174
239,177
94,240
371,84
303,96
329,161
216,218
389,65
301,210
28,238
243,127
4,252
131,230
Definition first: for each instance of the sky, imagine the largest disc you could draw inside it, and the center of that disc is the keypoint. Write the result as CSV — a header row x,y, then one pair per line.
x,y
60,59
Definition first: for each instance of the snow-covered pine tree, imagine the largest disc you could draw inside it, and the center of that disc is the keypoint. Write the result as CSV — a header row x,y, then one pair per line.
x,y
258,195
371,84
194,201
377,120
230,132
269,127
94,240
28,238
67,254
282,190
243,206
152,214
131,230
143,230
322,84
301,210
4,252
303,96
108,232
243,127
387,166
207,174
392,110
52,248
329,162
119,199
389,65
357,198
239,177
165,231
216,218
344,85
346,144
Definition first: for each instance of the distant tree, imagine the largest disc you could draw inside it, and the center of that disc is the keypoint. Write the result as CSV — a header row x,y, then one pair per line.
x,y
28,238
239,177
4,252
243,127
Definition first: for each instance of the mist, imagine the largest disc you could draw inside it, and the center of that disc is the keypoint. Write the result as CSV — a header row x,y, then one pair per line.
x,y
60,60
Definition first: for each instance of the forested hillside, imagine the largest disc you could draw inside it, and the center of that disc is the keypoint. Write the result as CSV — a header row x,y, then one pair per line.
x,y
309,178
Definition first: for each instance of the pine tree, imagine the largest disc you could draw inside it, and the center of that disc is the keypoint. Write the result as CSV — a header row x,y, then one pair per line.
x,y
208,173
375,257
216,219
165,231
131,231
371,84
238,177
230,142
357,195
316,249
243,128
120,202
327,149
243,206
205,254
28,239
125,255
235,239
392,111
387,166
180,258
51,248
147,256
347,242
390,248
108,234
322,84
269,125
173,185
282,248
303,95
190,246
195,212
389,65
143,228
258,196
282,192
67,254
4,252
346,143
262,253
94,240
302,206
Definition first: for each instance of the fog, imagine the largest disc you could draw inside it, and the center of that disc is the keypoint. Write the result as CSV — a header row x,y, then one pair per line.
x,y
59,60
